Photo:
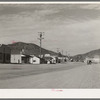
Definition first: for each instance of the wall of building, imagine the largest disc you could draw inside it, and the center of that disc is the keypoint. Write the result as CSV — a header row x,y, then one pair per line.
x,y
5,54
7,57
1,57
16,58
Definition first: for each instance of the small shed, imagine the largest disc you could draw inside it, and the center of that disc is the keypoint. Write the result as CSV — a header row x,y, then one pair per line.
x,y
34,60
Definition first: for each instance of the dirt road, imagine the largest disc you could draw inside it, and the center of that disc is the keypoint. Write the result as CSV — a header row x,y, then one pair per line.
x,y
68,75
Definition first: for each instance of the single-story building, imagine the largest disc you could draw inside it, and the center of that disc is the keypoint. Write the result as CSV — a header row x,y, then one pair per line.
x,y
34,60
18,57
94,59
61,59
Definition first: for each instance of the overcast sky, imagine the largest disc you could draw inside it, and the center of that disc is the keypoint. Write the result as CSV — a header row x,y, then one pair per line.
x,y
74,28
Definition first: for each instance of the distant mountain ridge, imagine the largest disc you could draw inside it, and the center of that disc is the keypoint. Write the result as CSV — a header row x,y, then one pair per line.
x,y
91,54
30,48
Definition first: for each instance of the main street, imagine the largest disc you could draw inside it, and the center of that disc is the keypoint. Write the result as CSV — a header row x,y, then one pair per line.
x,y
67,75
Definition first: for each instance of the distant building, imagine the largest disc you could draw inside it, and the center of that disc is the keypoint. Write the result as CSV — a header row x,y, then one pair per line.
x,y
5,54
61,58
94,59
48,59
88,60
34,60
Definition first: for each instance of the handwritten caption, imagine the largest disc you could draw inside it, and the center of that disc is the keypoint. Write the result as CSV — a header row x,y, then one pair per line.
x,y
57,90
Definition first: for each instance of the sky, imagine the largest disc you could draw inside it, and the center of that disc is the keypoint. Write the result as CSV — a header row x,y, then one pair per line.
x,y
73,28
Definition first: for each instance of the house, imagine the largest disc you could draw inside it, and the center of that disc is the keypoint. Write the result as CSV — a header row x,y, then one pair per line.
x,y
5,54
34,60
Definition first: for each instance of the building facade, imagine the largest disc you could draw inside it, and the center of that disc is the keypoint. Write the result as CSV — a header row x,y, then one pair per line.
x,y
5,54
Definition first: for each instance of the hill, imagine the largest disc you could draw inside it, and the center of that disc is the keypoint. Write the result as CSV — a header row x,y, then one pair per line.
x,y
91,54
30,48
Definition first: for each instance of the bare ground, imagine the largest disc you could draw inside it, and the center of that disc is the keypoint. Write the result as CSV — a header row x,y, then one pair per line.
x,y
68,75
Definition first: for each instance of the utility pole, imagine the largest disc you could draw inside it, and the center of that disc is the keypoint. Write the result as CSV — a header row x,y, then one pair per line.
x,y
40,39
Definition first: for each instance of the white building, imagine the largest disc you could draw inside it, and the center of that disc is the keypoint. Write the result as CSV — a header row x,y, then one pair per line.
x,y
34,60
18,57
95,59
